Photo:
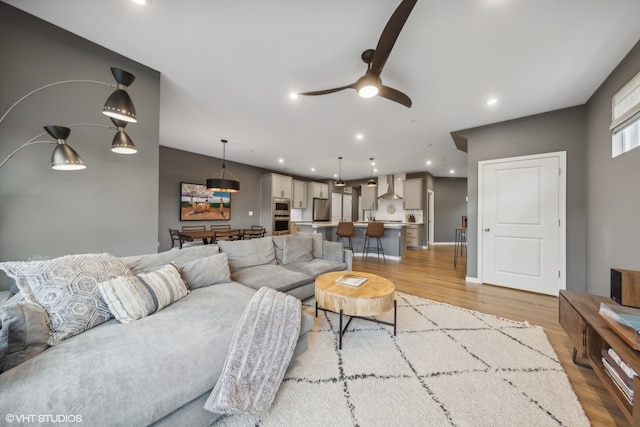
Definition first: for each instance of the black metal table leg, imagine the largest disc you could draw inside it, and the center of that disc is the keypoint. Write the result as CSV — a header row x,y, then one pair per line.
x,y
340,342
316,308
395,316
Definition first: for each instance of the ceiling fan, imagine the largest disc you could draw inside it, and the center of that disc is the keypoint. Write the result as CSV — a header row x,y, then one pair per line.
x,y
370,84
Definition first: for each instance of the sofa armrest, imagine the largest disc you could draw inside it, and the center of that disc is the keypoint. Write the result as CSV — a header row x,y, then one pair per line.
x,y
348,258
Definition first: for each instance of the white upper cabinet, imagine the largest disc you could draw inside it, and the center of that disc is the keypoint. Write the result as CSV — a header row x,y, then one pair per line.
x,y
412,193
280,185
319,190
299,194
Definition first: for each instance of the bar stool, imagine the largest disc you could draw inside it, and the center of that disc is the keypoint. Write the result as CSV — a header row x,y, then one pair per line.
x,y
375,230
345,229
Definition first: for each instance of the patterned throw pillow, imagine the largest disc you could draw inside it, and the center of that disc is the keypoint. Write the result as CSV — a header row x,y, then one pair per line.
x,y
67,289
134,297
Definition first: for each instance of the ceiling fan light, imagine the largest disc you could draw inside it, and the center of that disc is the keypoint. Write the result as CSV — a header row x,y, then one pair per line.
x,y
368,91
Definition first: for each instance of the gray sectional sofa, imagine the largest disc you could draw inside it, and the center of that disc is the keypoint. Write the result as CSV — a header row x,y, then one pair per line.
x,y
160,369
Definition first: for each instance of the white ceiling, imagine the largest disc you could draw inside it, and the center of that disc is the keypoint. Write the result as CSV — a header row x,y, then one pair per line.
x,y
228,67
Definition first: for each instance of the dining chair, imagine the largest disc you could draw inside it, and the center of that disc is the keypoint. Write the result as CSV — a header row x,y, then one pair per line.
x,y
221,227
345,229
175,237
375,230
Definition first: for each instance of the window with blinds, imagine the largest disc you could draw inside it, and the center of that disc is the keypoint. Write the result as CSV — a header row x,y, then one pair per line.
x,y
625,117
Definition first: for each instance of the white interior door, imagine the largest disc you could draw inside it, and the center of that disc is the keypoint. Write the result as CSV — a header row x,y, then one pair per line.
x,y
521,223
347,207
336,207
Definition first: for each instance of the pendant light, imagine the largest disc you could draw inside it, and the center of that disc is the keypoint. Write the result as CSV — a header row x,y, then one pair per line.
x,y
371,182
340,182
219,182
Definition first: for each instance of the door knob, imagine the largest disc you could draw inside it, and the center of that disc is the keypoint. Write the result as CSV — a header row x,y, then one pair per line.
x,y
487,229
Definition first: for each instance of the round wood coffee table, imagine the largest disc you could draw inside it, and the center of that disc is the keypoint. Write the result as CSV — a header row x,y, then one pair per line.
x,y
374,297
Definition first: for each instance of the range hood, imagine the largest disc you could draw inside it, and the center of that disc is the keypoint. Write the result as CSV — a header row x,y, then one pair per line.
x,y
390,194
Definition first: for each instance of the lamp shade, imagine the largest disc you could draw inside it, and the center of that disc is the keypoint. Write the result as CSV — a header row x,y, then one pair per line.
x,y
121,143
223,185
340,182
371,182
64,157
119,105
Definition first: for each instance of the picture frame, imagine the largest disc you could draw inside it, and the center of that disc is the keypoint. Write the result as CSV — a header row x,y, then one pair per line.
x,y
197,203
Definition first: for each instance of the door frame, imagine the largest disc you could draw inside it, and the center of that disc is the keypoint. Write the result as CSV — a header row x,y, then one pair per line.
x,y
430,216
562,207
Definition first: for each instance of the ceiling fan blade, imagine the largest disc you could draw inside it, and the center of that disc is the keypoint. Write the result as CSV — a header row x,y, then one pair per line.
x,y
390,35
395,95
326,91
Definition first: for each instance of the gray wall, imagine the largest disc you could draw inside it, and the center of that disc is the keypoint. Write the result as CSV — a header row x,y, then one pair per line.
x,y
178,166
449,206
110,206
561,130
613,198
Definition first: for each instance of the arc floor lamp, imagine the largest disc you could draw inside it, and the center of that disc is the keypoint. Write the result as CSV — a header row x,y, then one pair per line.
x,y
118,107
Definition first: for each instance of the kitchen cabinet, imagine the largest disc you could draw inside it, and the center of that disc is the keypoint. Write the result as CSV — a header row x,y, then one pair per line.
x,y
369,197
412,194
413,235
277,185
299,195
319,190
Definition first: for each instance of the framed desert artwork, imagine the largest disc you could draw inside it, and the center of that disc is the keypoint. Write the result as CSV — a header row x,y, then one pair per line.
x,y
199,204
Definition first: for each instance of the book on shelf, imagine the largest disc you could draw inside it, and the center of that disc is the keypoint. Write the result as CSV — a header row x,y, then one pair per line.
x,y
621,363
351,280
621,373
626,391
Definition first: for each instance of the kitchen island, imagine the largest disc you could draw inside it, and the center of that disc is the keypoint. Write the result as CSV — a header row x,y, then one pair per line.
x,y
394,240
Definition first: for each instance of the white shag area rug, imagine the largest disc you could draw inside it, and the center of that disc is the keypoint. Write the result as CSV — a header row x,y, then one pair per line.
x,y
447,366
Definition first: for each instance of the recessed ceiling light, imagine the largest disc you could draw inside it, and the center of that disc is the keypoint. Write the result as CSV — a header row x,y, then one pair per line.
x,y
313,169
281,160
492,101
359,136
375,169
293,95
452,171
335,175
428,162
142,2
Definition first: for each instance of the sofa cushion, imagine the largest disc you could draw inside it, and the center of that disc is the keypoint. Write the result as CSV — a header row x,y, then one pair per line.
x,y
151,262
332,251
23,332
248,253
278,247
317,242
274,276
206,271
317,267
67,289
297,249
132,298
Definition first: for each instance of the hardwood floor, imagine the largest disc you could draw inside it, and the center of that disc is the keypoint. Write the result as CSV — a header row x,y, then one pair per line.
x,y
429,273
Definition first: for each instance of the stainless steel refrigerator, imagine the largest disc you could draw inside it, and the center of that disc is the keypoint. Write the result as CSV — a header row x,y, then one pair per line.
x,y
321,210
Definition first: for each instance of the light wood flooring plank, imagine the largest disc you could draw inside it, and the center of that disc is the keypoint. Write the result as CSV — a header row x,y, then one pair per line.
x,y
429,273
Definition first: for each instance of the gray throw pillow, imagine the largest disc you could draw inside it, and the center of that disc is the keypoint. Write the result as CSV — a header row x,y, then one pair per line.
x,y
297,249
206,271
151,262
67,289
247,253
23,332
332,251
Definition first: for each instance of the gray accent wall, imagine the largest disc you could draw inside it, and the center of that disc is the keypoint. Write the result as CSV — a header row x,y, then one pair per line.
x,y
178,166
561,130
112,206
450,205
613,196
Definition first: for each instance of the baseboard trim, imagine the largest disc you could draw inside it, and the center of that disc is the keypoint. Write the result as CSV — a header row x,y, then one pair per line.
x,y
473,280
444,243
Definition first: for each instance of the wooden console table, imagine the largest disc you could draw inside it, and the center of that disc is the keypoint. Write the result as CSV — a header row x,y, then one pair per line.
x,y
589,334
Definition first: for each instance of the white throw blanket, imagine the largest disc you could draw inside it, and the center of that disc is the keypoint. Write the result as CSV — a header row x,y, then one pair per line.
x,y
260,352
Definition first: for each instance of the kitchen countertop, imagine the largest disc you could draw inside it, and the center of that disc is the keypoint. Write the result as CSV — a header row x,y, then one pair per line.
x,y
324,224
